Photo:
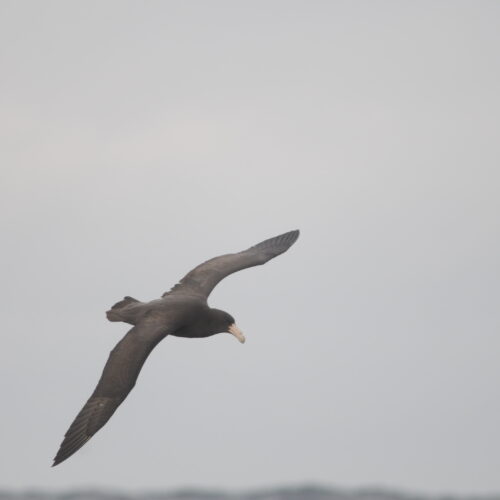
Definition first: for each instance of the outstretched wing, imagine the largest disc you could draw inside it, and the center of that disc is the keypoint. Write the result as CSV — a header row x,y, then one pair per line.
x,y
117,380
203,278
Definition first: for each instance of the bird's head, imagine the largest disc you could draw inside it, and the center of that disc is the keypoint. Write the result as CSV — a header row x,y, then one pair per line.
x,y
221,321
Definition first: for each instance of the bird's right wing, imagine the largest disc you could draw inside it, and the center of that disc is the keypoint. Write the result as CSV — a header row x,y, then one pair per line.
x,y
117,380
203,278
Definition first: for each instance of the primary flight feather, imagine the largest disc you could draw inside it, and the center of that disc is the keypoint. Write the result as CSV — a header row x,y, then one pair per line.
x,y
182,312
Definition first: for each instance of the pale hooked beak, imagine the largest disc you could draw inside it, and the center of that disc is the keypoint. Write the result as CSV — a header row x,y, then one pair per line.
x,y
234,330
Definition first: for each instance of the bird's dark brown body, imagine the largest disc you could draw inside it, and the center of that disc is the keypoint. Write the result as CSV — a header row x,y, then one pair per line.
x,y
181,312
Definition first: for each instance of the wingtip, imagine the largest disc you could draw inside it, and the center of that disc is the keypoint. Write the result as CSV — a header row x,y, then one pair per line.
x,y
292,236
58,459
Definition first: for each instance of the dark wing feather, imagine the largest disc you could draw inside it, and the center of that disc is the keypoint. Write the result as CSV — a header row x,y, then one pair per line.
x,y
203,278
117,380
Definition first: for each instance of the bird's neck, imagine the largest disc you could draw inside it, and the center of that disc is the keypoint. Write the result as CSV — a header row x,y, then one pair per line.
x,y
205,325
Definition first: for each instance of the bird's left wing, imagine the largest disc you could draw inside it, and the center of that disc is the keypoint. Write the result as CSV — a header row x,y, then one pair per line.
x,y
203,278
117,380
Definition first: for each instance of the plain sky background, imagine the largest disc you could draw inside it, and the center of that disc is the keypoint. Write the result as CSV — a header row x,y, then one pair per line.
x,y
139,138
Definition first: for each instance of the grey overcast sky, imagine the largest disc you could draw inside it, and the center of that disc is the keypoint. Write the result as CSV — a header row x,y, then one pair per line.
x,y
146,135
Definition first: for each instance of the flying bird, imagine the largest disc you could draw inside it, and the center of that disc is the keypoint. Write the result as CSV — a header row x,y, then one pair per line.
x,y
183,312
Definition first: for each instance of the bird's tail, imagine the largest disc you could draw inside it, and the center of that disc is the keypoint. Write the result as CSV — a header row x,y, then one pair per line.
x,y
115,313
